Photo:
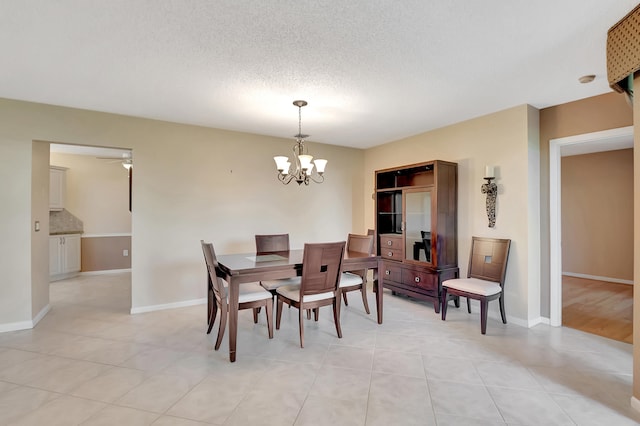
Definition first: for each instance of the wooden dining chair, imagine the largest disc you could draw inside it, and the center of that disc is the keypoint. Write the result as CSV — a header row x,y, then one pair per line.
x,y
270,244
356,280
252,296
321,264
485,278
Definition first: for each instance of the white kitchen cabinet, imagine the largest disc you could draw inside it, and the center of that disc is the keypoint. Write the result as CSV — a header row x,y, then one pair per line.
x,y
64,256
57,187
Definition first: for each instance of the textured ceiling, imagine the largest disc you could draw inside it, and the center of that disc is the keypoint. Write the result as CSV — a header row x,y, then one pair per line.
x,y
372,71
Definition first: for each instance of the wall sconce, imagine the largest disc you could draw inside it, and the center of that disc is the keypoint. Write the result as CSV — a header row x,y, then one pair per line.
x,y
491,189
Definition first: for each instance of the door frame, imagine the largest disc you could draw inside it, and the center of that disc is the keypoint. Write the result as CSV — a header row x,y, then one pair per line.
x,y
555,214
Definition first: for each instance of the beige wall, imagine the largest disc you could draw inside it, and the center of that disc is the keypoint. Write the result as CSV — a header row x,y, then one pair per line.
x,y
105,253
507,140
39,239
604,112
190,183
97,193
597,214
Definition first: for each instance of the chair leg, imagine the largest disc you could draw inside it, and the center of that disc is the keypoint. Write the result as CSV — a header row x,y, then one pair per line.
x,y
308,313
483,316
255,315
269,311
212,315
364,298
456,301
344,297
301,321
502,312
223,325
316,314
278,312
336,316
468,305
444,303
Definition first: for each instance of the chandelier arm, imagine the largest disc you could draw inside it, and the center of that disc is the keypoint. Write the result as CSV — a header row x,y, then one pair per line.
x,y
285,179
315,180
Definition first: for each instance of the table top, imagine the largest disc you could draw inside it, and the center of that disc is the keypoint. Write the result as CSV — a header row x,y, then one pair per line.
x,y
277,260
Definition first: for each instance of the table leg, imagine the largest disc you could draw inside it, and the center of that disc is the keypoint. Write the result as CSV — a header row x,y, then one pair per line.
x,y
377,282
234,292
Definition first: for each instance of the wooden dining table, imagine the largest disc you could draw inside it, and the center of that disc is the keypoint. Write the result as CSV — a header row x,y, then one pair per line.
x,y
237,269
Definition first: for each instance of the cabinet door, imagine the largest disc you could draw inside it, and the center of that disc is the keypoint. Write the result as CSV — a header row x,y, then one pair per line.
x,y
56,189
417,226
71,253
55,256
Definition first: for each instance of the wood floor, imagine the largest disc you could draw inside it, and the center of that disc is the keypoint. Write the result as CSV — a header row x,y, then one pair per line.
x,y
598,307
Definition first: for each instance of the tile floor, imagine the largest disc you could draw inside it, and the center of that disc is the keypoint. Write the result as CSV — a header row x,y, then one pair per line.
x,y
89,362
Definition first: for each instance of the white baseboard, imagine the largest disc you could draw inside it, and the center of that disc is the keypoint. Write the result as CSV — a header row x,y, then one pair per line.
x,y
597,278
106,272
25,325
635,403
183,304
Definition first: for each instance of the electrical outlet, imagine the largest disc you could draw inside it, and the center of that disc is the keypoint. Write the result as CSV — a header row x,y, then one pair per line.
x,y
125,253
37,226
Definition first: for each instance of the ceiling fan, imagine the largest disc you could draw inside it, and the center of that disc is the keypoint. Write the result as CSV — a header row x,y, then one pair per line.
x,y
125,158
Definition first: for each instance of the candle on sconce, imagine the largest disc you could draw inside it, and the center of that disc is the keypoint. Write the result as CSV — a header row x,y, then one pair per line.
x,y
488,172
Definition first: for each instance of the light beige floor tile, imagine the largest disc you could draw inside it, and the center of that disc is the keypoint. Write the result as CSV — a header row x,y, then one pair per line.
x,y
349,357
324,411
399,363
587,412
22,400
451,369
267,408
177,421
399,342
62,411
462,399
451,420
156,394
506,375
401,391
5,386
64,379
110,384
342,383
384,414
528,407
34,368
113,415
211,401
152,359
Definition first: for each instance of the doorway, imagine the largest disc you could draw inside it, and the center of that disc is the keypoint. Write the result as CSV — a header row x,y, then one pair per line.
x,y
97,187
607,140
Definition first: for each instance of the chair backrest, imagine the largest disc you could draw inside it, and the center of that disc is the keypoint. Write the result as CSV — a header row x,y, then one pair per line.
x,y
372,232
321,265
360,243
272,243
212,268
488,259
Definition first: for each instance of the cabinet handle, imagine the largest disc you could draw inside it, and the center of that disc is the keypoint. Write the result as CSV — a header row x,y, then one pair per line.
x,y
387,272
417,279
389,243
390,254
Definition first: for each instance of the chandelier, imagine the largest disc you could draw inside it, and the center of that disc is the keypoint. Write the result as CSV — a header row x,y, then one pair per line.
x,y
304,163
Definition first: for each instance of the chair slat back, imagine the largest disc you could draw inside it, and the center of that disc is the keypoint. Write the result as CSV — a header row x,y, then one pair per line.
x,y
321,266
360,243
212,271
488,259
272,243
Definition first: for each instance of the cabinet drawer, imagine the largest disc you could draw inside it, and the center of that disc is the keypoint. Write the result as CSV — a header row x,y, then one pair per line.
x,y
390,242
392,272
388,253
421,279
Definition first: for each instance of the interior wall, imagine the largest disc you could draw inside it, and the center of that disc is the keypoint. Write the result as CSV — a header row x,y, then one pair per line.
x,y
597,214
39,239
604,112
15,244
190,183
505,140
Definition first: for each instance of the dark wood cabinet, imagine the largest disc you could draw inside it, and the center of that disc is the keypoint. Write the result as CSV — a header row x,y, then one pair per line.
x,y
416,228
